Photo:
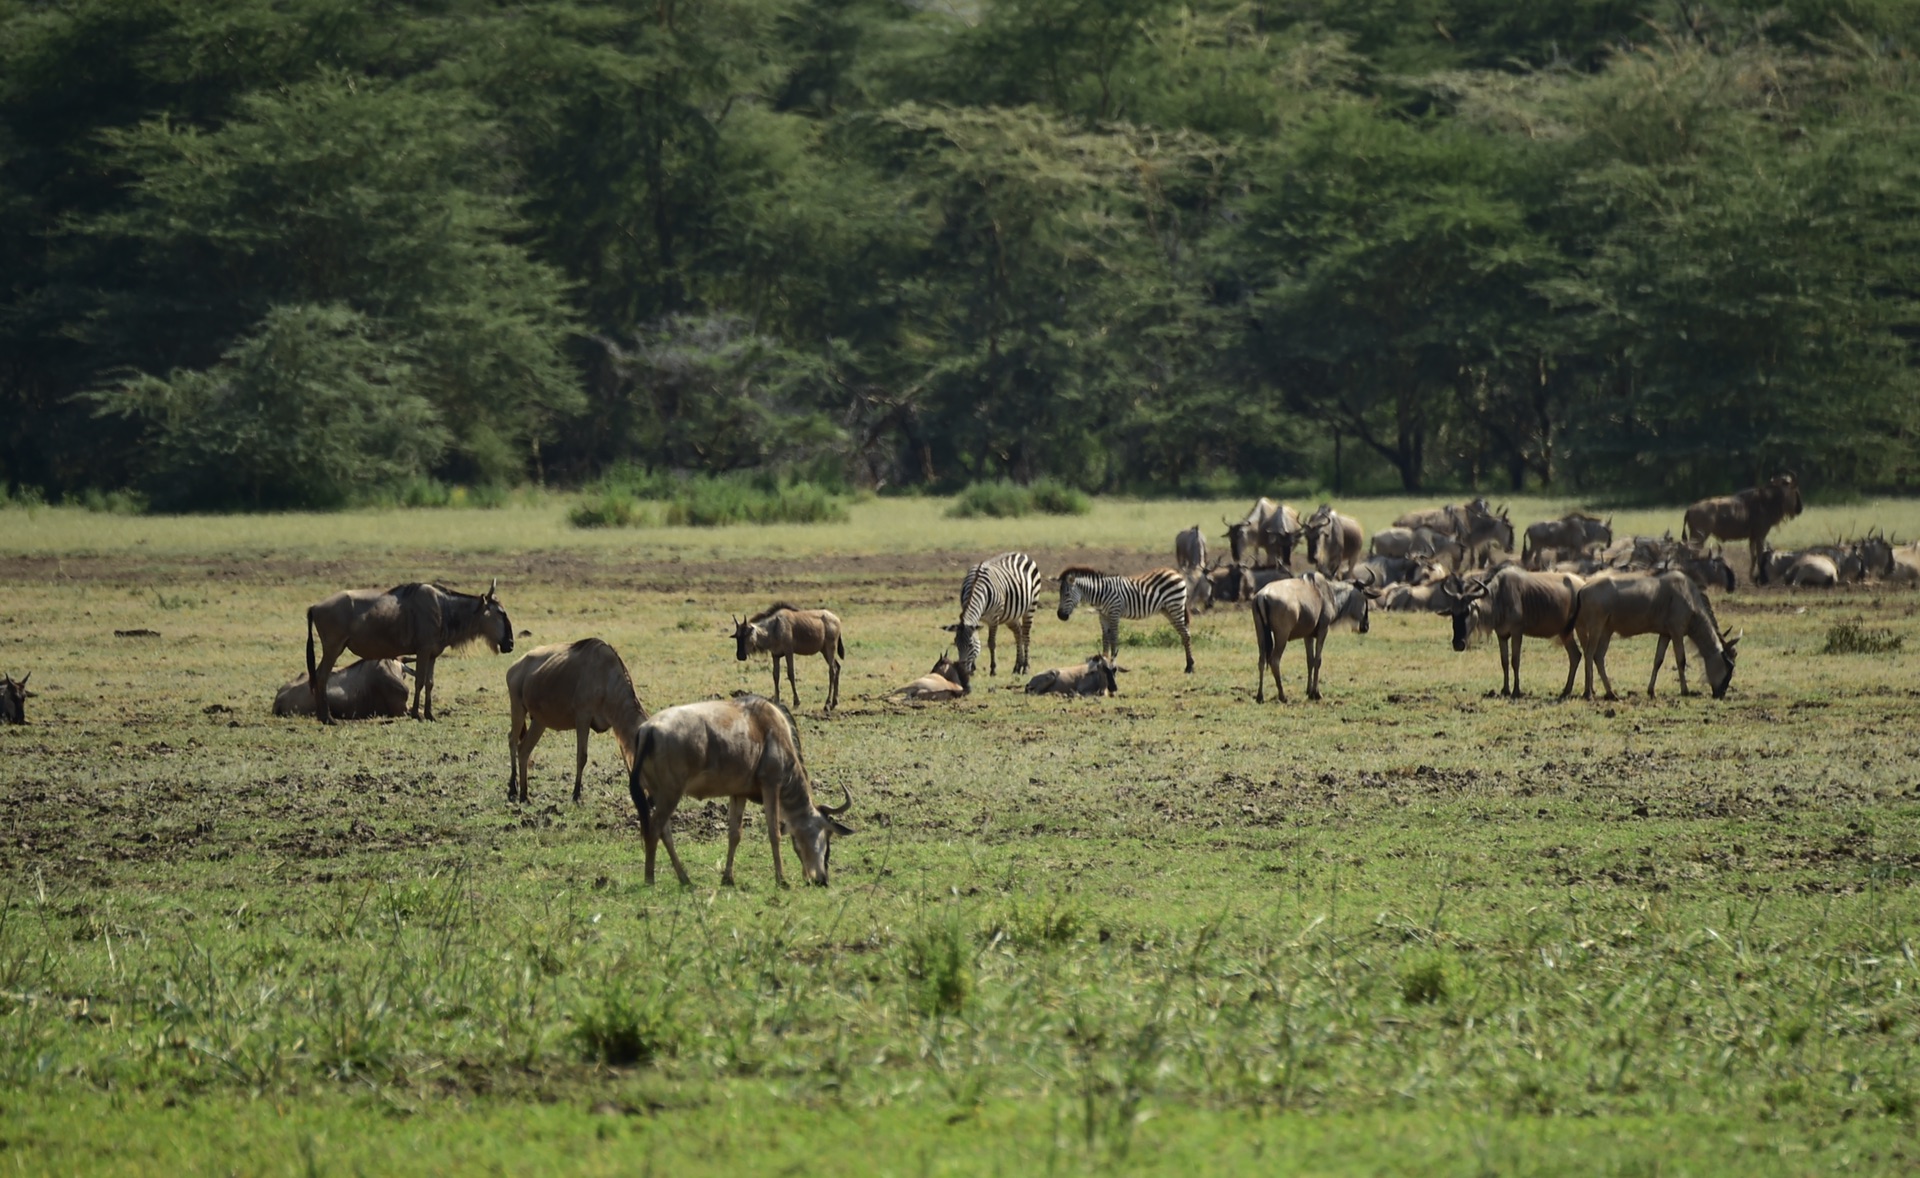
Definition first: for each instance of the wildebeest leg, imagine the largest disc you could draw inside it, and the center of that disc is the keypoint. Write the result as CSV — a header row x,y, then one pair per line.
x,y
833,678
1680,663
1600,660
422,688
534,732
791,683
1314,647
1573,665
776,680
770,800
318,681
736,810
1659,656
580,759
673,856
1516,665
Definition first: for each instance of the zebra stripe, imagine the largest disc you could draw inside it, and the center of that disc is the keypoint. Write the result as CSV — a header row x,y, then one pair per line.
x,y
1003,591
1162,591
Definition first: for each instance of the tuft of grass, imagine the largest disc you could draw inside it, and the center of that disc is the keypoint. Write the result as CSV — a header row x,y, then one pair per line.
x,y
939,961
112,502
1854,638
624,1028
1423,980
1002,499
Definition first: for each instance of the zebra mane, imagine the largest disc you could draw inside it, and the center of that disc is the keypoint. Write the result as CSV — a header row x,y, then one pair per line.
x,y
1080,570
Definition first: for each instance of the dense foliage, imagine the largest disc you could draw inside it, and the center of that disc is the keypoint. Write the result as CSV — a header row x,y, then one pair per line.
x,y
293,252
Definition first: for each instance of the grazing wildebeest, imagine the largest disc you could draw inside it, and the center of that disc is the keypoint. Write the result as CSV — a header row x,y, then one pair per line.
x,y
1000,592
1190,550
1515,604
422,620
742,749
361,691
1272,527
1667,604
580,685
783,630
1304,607
948,680
1142,595
1573,534
1097,676
1334,541
1745,515
13,698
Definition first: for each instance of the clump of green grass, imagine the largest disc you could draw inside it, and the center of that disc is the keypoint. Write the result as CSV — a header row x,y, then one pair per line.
x,y
1423,981
112,502
1854,638
939,961
611,508
625,1028
1002,499
23,496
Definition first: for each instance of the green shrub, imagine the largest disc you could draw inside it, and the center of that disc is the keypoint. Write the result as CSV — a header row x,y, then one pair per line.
x,y
23,496
1853,638
1052,497
112,502
622,498
1000,499
610,509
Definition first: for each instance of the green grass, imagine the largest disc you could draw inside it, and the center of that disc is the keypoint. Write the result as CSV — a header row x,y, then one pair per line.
x,y
634,498
1408,927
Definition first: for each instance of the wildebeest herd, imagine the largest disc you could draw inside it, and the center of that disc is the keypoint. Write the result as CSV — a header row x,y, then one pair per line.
x,y
1569,581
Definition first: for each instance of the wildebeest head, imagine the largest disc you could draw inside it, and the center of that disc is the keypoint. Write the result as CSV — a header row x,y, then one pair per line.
x,y
1358,607
1236,537
744,633
1461,611
496,627
13,698
1728,652
814,843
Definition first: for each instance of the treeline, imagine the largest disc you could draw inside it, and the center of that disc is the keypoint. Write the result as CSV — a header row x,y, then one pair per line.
x,y
269,253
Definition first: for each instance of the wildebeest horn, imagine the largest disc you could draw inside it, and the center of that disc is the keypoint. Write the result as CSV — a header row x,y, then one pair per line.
x,y
843,807
493,585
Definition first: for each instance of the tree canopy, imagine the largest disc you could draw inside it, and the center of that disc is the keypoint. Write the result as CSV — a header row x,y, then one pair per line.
x,y
270,253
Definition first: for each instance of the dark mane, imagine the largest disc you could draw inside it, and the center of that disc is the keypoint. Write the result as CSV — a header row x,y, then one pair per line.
x,y
580,644
407,590
1080,570
773,609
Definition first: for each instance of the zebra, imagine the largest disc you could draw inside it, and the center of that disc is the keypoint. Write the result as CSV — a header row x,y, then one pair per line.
x,y
1003,591
1162,591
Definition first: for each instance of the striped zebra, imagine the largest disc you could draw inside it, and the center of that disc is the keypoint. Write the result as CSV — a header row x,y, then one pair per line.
x,y
1000,592
1162,591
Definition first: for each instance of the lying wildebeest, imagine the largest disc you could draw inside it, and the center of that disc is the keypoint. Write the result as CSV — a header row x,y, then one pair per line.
x,y
1745,515
580,685
1097,676
1305,607
1190,550
13,698
742,749
1334,541
1272,527
1876,554
422,620
1227,582
1803,570
1515,604
948,680
783,631
361,691
1573,534
1667,604
1382,571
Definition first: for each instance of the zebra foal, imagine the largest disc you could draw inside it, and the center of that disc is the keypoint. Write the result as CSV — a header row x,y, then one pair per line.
x,y
1003,591
1115,596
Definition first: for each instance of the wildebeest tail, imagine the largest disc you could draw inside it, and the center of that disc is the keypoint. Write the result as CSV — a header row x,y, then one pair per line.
x,y
312,666
1263,633
841,643
641,802
1573,615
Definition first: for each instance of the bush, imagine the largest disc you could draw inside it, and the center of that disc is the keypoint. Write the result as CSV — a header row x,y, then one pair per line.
x,y
621,499
623,1028
1003,499
24,496
1853,638
112,502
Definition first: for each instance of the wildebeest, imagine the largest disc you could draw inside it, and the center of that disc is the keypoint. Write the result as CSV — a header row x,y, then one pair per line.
x,y
13,698
1573,534
1440,597
1482,532
947,680
1334,541
1305,607
1705,569
1190,550
783,630
742,749
1097,676
1745,515
1272,527
1416,543
1666,604
1515,604
581,685
418,619
361,691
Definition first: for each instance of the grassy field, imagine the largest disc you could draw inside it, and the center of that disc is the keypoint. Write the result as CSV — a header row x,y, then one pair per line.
x,y
1410,927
